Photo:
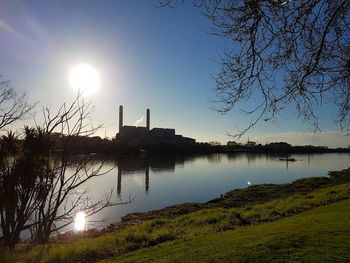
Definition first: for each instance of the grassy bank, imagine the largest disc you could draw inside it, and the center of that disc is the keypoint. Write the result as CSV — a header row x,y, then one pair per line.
x,y
200,226
318,235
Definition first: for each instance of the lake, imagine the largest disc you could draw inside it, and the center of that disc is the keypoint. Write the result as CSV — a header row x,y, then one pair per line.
x,y
154,183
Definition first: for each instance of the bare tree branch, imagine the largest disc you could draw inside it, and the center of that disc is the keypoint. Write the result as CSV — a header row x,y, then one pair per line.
x,y
282,53
13,106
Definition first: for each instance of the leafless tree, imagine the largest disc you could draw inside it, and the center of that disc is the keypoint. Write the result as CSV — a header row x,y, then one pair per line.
x,y
39,184
282,52
13,106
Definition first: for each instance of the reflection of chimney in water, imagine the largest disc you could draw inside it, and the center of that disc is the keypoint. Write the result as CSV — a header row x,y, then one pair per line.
x,y
119,182
148,119
120,117
147,179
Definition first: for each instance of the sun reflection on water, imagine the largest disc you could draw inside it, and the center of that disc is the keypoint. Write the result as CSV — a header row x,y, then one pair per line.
x,y
79,224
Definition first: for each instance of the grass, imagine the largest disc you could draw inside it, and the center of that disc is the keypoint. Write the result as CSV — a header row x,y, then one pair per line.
x,y
201,223
319,235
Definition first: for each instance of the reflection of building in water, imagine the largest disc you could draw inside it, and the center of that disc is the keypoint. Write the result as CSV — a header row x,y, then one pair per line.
x,y
214,157
135,165
137,135
119,180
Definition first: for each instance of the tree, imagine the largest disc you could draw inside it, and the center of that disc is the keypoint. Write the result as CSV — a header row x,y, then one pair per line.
x,y
13,106
215,143
283,52
39,178
22,168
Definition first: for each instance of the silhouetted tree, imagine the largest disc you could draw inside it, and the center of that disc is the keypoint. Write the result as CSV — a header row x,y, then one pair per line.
x,y
9,192
40,177
282,52
215,143
13,106
21,170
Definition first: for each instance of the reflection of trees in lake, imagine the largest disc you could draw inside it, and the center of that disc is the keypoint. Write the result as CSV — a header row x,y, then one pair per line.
x,y
250,157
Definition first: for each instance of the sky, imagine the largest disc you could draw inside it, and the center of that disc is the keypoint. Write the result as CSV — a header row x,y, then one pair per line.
x,y
147,57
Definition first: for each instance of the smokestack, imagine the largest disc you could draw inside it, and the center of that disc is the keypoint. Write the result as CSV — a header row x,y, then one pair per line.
x,y
147,119
120,117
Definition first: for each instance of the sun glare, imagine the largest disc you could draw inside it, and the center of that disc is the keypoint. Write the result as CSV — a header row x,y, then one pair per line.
x,y
84,78
79,224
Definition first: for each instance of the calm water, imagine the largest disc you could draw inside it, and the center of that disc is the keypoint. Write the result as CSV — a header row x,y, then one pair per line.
x,y
155,183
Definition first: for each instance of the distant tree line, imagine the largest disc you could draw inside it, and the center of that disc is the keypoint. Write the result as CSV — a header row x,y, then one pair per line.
x,y
279,147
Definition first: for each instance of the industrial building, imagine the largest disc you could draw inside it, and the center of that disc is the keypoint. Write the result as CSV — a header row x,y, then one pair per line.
x,y
145,135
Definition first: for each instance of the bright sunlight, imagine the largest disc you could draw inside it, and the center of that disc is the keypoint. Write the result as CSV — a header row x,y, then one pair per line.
x,y
84,78
79,224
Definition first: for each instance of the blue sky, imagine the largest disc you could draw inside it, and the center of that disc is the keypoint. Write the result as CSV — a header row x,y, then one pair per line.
x,y
147,57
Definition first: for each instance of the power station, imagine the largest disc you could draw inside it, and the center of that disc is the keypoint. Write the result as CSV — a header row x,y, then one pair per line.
x,y
145,135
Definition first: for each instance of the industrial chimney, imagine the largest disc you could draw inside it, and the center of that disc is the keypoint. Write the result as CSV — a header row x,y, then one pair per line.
x,y
148,119
120,117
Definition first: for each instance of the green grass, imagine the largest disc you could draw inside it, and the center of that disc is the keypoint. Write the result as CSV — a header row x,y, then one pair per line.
x,y
318,235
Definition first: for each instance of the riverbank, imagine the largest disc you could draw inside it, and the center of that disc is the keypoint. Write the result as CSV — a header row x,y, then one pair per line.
x,y
237,210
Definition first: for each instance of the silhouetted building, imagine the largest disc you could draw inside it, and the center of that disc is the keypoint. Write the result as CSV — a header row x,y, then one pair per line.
x,y
145,135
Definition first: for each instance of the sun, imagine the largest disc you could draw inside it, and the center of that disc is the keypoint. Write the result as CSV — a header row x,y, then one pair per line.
x,y
84,78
